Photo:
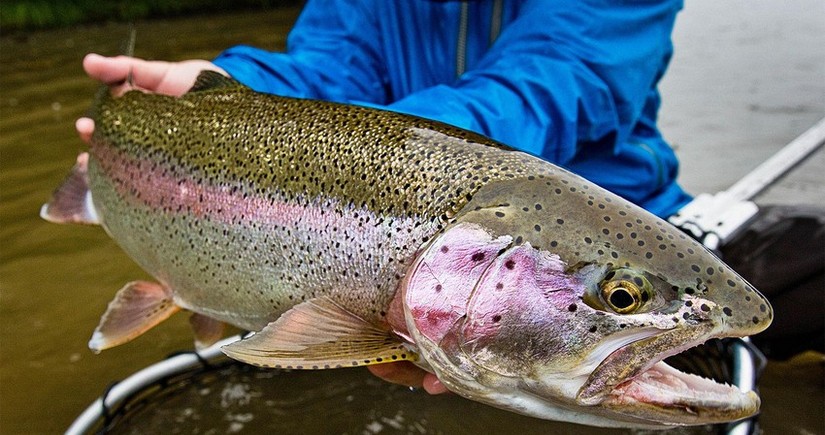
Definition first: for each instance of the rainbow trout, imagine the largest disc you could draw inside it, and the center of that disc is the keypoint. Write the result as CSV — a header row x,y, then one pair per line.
x,y
348,236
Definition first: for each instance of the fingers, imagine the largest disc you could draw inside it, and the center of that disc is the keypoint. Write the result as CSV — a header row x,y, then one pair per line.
x,y
85,127
404,373
170,78
114,71
407,373
432,385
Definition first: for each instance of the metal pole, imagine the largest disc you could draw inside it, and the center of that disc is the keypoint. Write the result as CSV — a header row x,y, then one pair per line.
x,y
779,164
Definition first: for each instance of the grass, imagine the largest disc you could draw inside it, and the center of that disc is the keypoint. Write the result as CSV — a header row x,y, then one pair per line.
x,y
24,15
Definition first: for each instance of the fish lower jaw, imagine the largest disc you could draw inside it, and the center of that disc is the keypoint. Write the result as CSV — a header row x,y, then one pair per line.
x,y
662,391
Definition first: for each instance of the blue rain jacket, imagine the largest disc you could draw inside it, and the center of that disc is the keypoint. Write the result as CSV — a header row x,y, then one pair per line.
x,y
572,82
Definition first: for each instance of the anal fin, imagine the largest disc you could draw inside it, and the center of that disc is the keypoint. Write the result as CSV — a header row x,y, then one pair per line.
x,y
319,334
72,201
136,308
207,330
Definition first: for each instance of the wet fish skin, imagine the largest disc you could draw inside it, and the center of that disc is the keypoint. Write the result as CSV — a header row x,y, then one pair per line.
x,y
277,215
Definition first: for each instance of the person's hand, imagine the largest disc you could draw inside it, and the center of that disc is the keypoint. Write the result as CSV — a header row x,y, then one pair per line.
x,y
170,78
407,373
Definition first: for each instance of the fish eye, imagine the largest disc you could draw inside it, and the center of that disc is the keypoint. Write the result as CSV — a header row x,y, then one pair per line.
x,y
625,291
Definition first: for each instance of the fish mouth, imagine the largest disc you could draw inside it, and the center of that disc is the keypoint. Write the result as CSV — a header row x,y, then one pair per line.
x,y
634,381
665,394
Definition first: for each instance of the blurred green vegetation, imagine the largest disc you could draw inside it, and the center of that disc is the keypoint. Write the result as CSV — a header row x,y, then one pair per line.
x,y
18,15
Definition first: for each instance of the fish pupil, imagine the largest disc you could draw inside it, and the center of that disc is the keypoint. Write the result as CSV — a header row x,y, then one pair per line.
x,y
621,299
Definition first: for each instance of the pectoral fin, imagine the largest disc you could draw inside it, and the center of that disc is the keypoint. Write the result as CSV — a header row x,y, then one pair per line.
x,y
136,308
319,334
207,330
72,201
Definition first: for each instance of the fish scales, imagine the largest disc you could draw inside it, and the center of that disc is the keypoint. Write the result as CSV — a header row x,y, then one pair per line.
x,y
286,199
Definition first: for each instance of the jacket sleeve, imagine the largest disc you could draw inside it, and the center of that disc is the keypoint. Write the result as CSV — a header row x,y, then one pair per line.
x,y
561,77
331,54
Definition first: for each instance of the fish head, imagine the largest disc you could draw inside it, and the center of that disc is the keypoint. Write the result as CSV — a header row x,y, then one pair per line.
x,y
552,297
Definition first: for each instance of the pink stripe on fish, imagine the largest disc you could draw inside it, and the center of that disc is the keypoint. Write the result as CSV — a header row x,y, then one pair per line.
x,y
157,186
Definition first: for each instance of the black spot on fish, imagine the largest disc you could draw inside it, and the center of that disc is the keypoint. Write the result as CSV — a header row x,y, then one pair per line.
x,y
705,307
445,249
610,275
572,308
438,288
727,311
510,264
694,267
499,286
538,206
731,283
537,227
648,255
499,214
593,328
560,221
588,240
496,318
755,320
478,256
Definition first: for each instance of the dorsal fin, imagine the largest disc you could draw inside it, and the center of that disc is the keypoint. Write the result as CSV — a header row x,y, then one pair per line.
x,y
319,334
210,80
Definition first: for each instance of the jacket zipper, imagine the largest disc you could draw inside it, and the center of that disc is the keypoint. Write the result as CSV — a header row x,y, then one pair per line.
x,y
461,49
463,30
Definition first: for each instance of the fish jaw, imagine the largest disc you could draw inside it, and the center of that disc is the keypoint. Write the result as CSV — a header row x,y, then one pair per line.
x,y
634,381
663,391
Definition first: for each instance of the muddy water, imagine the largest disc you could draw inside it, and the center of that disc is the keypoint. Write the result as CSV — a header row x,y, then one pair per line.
x,y
55,281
